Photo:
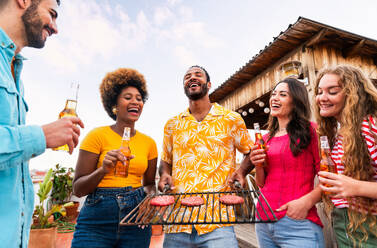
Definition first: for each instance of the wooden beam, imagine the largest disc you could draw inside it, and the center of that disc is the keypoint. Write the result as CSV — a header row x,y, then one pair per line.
x,y
317,37
353,50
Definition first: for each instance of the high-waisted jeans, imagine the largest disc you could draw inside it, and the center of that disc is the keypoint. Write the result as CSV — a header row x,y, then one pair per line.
x,y
98,221
290,233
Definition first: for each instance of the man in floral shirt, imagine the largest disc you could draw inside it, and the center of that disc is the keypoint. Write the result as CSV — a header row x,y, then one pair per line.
x,y
199,153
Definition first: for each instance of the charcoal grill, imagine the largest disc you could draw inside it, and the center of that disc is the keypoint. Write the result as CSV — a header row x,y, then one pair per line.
x,y
177,214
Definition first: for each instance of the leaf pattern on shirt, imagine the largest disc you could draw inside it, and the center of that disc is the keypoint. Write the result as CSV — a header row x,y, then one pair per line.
x,y
202,155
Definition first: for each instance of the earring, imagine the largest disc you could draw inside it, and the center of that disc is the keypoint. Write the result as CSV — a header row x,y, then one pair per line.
x,y
114,110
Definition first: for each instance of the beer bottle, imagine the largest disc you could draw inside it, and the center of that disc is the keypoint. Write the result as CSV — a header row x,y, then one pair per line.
x,y
69,110
326,164
259,138
121,168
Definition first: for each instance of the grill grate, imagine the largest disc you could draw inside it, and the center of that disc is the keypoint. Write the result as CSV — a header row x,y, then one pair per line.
x,y
177,214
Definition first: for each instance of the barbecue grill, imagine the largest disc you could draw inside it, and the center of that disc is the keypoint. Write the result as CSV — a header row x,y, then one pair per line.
x,y
211,212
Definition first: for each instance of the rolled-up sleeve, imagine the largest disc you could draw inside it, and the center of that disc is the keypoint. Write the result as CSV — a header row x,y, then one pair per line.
x,y
19,144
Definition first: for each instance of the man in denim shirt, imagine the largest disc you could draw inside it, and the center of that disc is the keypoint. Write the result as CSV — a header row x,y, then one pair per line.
x,y
23,23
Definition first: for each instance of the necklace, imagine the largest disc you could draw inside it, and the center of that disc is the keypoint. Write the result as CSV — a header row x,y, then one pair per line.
x,y
282,129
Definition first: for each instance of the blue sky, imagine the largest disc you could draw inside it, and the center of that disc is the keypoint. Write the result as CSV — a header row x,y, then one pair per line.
x,y
161,39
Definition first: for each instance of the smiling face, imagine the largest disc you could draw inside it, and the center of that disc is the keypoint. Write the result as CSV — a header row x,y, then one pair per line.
x,y
330,96
129,104
281,102
40,22
195,83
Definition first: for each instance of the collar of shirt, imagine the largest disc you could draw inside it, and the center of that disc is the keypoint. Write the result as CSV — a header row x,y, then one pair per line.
x,y
10,48
215,111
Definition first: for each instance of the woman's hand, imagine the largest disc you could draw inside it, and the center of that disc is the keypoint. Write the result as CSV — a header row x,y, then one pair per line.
x,y
339,185
297,209
257,156
111,158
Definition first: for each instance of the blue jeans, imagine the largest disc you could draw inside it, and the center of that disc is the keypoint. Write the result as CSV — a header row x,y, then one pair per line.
x,y
220,237
289,233
98,222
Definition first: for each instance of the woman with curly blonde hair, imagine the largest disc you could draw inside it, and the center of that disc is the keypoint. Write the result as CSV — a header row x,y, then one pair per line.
x,y
346,113
110,198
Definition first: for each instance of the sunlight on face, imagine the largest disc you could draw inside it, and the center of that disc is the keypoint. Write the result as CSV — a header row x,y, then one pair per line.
x,y
281,101
330,96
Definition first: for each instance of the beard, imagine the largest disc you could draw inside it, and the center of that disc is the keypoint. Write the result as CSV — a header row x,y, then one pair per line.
x,y
33,26
197,95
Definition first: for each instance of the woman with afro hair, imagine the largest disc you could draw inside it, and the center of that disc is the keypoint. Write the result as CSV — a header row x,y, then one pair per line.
x,y
346,112
110,198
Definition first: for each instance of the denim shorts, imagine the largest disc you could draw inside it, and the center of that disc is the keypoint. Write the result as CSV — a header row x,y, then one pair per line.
x,y
220,237
98,221
289,233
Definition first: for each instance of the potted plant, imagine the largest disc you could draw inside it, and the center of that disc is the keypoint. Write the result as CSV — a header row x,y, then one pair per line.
x,y
43,231
62,190
61,184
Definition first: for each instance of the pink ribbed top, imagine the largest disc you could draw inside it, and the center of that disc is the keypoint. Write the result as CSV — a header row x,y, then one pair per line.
x,y
288,177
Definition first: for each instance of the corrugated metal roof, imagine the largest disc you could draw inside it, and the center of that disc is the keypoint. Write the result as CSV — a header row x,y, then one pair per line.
x,y
295,35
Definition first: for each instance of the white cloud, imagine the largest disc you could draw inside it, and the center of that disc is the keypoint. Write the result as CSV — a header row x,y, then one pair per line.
x,y
90,34
185,13
186,57
195,32
162,15
94,32
174,2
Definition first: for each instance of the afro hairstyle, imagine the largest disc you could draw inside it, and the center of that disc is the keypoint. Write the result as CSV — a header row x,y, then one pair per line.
x,y
113,84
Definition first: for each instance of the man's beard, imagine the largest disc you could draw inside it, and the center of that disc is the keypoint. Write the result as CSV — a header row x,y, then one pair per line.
x,y
197,95
33,26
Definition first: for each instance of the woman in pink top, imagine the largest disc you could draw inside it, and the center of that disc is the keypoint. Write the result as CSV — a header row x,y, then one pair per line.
x,y
285,172
346,111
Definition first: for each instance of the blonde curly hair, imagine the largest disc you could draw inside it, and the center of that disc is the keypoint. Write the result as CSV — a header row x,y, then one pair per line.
x,y
360,102
113,84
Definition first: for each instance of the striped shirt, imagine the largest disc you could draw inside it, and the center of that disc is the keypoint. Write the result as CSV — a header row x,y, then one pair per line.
x,y
338,152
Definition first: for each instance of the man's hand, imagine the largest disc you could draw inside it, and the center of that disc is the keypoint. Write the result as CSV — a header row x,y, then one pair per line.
x,y
165,179
63,131
238,175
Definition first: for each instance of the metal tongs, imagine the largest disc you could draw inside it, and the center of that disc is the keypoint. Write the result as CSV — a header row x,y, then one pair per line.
x,y
165,189
237,185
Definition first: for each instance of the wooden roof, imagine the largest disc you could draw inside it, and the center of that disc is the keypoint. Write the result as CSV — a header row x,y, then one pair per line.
x,y
303,31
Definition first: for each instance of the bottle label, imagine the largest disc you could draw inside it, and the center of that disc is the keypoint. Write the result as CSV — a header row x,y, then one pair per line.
x,y
325,144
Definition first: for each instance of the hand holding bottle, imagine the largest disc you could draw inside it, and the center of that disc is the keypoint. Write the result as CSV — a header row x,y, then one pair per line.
x,y
69,111
63,131
112,158
326,163
257,156
121,167
258,151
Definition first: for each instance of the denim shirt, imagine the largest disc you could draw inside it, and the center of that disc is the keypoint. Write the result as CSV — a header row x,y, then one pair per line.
x,y
18,143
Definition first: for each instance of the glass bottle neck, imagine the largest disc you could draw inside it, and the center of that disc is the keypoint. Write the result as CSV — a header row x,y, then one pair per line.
x,y
71,104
